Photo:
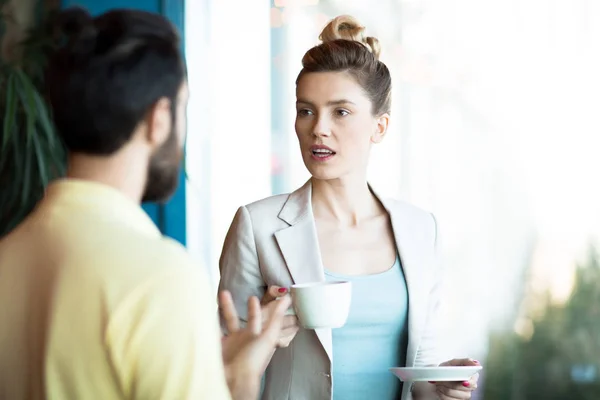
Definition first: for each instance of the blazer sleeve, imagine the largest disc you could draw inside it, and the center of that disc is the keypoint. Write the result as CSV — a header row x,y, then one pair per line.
x,y
429,352
239,265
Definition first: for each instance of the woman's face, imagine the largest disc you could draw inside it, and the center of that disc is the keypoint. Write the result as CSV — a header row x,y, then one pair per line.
x,y
335,125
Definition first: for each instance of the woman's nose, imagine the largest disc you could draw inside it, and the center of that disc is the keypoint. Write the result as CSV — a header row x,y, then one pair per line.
x,y
321,129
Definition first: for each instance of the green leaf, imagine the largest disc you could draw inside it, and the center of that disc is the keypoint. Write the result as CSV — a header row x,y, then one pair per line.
x,y
45,122
27,95
39,110
10,112
27,168
31,154
42,163
58,163
17,169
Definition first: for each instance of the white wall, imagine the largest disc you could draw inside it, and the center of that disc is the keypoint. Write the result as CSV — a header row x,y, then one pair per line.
x,y
229,138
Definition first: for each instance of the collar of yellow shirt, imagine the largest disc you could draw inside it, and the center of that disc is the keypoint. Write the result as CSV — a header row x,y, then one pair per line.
x,y
100,198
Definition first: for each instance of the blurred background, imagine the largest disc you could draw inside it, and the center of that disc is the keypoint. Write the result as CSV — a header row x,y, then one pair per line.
x,y
495,129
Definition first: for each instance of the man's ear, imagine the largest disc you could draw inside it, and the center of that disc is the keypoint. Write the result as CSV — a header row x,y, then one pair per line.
x,y
158,121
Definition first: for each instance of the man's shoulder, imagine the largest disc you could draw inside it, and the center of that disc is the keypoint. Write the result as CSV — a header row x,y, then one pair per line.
x,y
165,255
166,249
145,261
164,273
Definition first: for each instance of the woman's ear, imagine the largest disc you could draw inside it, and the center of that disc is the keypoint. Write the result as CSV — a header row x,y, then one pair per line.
x,y
381,128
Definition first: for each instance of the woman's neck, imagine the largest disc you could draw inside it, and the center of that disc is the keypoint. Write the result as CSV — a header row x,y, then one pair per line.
x,y
346,201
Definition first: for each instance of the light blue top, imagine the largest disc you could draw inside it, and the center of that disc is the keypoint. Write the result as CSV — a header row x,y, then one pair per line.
x,y
374,338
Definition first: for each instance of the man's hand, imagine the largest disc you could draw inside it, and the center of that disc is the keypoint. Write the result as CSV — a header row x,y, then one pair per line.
x,y
246,352
289,327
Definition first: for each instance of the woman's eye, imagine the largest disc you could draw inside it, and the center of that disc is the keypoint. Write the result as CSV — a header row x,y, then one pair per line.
x,y
304,112
342,113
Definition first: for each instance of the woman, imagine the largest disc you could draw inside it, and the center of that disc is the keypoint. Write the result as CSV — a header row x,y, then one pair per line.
x,y
336,226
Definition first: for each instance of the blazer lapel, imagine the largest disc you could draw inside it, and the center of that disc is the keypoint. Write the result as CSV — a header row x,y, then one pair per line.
x,y
408,234
299,245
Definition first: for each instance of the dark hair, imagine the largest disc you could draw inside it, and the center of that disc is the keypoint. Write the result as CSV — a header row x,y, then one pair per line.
x,y
345,48
108,74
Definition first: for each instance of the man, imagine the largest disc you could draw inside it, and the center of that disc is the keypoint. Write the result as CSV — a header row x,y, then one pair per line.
x,y
94,302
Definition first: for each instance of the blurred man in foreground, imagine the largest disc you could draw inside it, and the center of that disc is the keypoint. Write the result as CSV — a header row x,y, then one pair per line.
x,y
95,302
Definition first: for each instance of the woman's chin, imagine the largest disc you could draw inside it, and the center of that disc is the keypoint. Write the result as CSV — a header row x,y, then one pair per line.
x,y
323,175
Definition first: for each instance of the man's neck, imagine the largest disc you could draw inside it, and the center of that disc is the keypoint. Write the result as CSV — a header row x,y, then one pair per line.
x,y
122,171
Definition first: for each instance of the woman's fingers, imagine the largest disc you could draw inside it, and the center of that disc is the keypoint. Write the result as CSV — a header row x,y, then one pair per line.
x,y
446,393
273,293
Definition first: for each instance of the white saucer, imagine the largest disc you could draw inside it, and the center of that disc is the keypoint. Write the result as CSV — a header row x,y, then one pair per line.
x,y
435,374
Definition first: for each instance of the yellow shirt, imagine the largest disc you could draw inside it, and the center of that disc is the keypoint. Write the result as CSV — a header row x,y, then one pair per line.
x,y
96,304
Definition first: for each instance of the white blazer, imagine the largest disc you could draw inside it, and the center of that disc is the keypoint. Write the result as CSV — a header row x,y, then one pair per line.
x,y
274,242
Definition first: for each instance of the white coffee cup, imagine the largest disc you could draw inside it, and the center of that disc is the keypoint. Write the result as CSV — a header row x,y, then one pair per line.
x,y
322,304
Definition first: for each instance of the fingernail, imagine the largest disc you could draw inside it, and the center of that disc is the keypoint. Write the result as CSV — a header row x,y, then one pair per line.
x,y
466,384
476,362
282,290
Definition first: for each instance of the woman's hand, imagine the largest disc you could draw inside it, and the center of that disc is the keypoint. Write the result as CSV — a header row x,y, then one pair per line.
x,y
247,351
289,327
457,390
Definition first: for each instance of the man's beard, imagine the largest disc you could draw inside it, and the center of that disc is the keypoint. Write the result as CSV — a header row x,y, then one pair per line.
x,y
163,171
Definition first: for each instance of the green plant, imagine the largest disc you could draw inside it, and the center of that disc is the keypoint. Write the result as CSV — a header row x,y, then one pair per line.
x,y
560,360
31,153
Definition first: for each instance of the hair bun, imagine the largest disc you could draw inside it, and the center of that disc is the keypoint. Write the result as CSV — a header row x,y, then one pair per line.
x,y
78,26
346,27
